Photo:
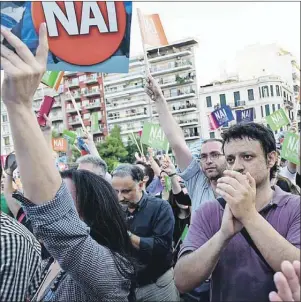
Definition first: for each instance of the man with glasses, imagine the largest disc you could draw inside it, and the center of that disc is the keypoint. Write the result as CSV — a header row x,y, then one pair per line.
x,y
200,181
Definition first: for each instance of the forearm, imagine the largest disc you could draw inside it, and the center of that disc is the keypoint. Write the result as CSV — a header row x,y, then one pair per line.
x,y
155,166
34,157
12,204
48,139
93,150
135,241
273,247
175,185
196,267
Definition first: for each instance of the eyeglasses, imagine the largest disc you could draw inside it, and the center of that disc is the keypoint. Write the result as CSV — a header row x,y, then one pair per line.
x,y
212,156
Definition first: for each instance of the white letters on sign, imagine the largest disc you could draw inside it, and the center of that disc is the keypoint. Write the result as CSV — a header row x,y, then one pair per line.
x,y
53,12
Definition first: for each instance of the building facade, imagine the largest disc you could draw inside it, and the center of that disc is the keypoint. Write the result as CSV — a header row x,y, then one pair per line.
x,y
265,94
173,66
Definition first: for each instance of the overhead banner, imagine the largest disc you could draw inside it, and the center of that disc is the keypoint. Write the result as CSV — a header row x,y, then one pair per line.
x,y
221,116
83,36
245,116
277,119
52,79
291,148
153,136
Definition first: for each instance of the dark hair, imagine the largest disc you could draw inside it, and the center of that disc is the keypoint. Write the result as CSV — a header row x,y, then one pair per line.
x,y
148,171
253,131
98,206
124,170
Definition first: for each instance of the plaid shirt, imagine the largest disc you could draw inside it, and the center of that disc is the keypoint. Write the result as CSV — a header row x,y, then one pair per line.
x,y
91,273
20,261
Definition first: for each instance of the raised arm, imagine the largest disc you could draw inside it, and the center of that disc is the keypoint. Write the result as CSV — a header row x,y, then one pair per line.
x,y
153,163
170,127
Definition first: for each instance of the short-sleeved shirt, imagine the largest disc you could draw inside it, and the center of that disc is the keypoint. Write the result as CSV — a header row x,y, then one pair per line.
x,y
240,274
197,184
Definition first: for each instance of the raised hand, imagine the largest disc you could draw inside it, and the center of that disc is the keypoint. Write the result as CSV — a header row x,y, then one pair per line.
x,y
153,89
168,166
22,70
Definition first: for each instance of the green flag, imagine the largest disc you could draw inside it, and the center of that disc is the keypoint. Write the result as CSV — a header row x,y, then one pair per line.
x,y
167,183
277,119
153,136
70,136
52,79
184,234
291,148
94,122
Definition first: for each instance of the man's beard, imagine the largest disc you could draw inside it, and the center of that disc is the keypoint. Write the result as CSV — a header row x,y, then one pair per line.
x,y
128,205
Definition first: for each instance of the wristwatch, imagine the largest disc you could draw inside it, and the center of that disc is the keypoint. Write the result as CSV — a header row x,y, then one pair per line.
x,y
130,234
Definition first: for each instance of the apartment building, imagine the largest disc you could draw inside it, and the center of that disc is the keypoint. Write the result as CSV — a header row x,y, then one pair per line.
x,y
265,94
173,66
87,90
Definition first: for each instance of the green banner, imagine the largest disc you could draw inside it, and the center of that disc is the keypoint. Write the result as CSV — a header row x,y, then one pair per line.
x,y
277,119
291,148
94,122
153,136
184,234
70,136
50,78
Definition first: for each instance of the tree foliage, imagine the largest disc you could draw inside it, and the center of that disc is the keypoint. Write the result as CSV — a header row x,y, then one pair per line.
x,y
132,149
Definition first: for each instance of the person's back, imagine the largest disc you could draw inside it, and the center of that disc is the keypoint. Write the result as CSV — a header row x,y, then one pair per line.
x,y
20,260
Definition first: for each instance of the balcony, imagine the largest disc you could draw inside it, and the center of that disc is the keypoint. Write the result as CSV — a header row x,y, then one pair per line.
x,y
132,117
56,104
89,93
126,91
70,73
175,83
190,138
91,79
181,96
73,109
130,130
76,96
123,78
179,66
58,117
237,105
126,105
188,123
170,56
75,121
181,109
93,106
72,84
38,95
288,104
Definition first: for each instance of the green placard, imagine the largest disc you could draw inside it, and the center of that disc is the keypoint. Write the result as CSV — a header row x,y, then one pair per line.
x,y
167,183
277,119
50,77
153,136
70,136
291,148
94,122
184,234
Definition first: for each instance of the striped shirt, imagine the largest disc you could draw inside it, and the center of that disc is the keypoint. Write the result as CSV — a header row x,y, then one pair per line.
x,y
20,261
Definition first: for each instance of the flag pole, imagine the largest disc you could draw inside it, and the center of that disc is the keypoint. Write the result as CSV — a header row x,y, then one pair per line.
x,y
146,63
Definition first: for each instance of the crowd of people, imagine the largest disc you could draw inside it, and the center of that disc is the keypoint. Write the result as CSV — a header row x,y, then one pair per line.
x,y
85,234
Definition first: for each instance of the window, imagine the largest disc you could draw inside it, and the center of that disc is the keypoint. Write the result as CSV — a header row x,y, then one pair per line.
x,y
267,110
259,92
4,118
236,97
263,95
265,91
284,94
278,106
208,101
250,95
274,107
6,141
5,129
280,90
212,134
292,115
290,98
277,90
261,111
222,98
272,90
173,92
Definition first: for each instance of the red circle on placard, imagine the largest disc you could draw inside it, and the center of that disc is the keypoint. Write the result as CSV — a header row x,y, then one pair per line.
x,y
86,49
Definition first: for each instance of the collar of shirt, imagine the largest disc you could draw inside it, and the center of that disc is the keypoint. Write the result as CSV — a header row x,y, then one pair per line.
x,y
140,205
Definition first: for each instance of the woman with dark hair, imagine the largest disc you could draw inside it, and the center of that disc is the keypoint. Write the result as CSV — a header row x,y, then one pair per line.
x,y
97,205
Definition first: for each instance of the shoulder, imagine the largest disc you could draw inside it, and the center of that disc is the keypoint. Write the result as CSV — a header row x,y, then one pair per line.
x,y
193,170
157,203
13,232
286,199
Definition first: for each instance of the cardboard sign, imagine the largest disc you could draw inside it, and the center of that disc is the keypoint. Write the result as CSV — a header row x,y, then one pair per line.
x,y
52,79
221,116
70,136
59,144
153,136
277,119
291,148
83,36
245,116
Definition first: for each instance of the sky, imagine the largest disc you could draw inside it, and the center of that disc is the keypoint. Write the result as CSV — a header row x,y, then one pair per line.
x,y
223,28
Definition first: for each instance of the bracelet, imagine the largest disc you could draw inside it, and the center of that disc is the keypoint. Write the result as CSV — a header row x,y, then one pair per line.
x,y
172,175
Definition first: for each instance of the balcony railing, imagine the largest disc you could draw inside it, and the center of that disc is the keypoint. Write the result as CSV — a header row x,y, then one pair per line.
x,y
89,93
56,104
133,116
125,105
91,79
70,73
181,95
58,117
178,66
180,109
72,84
73,109
92,106
74,121
75,95
170,56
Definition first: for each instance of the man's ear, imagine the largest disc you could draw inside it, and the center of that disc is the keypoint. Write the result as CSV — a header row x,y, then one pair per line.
x,y
272,159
